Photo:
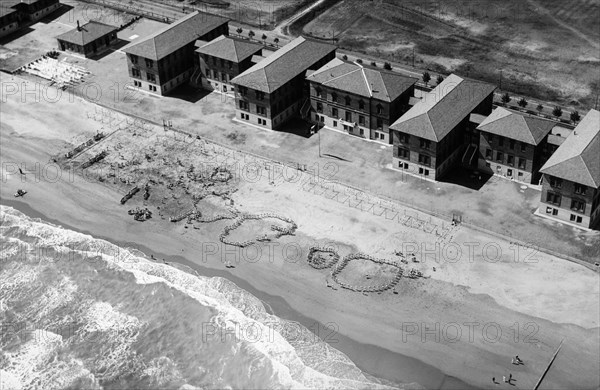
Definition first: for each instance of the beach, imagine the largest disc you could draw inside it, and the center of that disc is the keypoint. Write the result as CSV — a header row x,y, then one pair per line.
x,y
459,327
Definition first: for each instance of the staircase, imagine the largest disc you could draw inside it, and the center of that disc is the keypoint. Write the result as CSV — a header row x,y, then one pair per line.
x,y
196,78
305,110
469,155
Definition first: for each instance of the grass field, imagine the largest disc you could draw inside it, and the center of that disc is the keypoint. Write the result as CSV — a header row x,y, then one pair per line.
x,y
548,50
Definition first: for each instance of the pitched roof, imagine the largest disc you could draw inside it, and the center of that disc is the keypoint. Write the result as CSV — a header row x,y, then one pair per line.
x,y
358,80
230,49
443,108
176,35
522,128
89,32
286,63
578,158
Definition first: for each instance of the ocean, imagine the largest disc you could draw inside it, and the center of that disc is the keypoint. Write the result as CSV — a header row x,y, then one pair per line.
x,y
80,312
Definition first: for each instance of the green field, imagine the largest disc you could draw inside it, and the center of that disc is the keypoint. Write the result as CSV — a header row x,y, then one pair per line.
x,y
548,50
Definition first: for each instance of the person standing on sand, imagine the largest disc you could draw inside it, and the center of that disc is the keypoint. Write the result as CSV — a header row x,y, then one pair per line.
x,y
504,378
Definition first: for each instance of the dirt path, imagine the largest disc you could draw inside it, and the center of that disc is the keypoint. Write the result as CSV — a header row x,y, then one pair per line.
x,y
282,28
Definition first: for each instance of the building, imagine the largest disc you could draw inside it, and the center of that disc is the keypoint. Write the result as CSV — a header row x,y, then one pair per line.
x,y
15,14
571,177
166,59
362,101
91,39
272,91
438,132
224,58
513,145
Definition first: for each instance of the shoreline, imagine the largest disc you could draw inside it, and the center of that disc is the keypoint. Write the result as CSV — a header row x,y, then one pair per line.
x,y
362,355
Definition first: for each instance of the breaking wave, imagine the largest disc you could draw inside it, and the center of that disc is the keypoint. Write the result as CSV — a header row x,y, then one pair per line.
x,y
79,312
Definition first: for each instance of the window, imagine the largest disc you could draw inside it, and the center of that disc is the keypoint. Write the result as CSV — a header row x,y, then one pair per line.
x,y
523,146
509,172
134,59
511,144
510,160
427,172
424,160
379,109
425,144
137,83
244,106
488,153
222,63
555,182
260,95
379,123
578,205
151,77
319,107
334,123
361,120
361,105
149,63
499,156
152,88
224,77
322,119
136,72
319,92
229,65
580,189
348,100
334,97
522,163
381,136
243,91
334,112
348,116
573,217
403,153
403,138
362,132
553,198
500,140
260,110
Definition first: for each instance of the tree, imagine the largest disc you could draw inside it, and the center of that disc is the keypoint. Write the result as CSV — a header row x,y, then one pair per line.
x,y
373,63
440,78
387,66
239,30
522,102
540,108
251,34
575,117
359,60
506,98
426,77
345,57
557,112
264,37
276,40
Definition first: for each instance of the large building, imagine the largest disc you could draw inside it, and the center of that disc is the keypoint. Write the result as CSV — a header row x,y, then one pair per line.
x,y
437,132
166,59
272,91
15,14
571,177
513,145
224,58
361,101
91,39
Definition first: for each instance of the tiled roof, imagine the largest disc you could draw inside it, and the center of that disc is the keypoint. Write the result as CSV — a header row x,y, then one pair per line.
x,y
176,35
230,49
89,32
519,127
578,158
443,108
282,66
358,80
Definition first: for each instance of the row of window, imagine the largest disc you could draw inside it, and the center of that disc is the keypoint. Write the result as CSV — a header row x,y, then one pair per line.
x,y
405,138
557,183
423,158
258,94
221,61
572,218
349,115
422,171
576,204
259,120
149,76
511,142
348,100
139,85
510,159
224,77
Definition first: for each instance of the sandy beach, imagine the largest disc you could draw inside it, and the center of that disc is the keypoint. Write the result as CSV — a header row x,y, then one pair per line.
x,y
461,326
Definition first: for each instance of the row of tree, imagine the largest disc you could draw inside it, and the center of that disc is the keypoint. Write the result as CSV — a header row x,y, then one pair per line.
x,y
252,34
556,111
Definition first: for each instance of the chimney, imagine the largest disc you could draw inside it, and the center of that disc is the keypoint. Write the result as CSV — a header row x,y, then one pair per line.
x,y
78,27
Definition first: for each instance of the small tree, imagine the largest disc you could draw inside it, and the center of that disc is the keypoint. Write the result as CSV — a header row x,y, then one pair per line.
x,y
506,98
540,108
251,34
387,66
373,63
264,37
426,77
239,31
439,79
345,57
575,117
359,60
522,102
557,112
276,40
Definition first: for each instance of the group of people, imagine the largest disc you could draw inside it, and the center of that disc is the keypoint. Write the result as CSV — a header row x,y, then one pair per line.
x,y
516,360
